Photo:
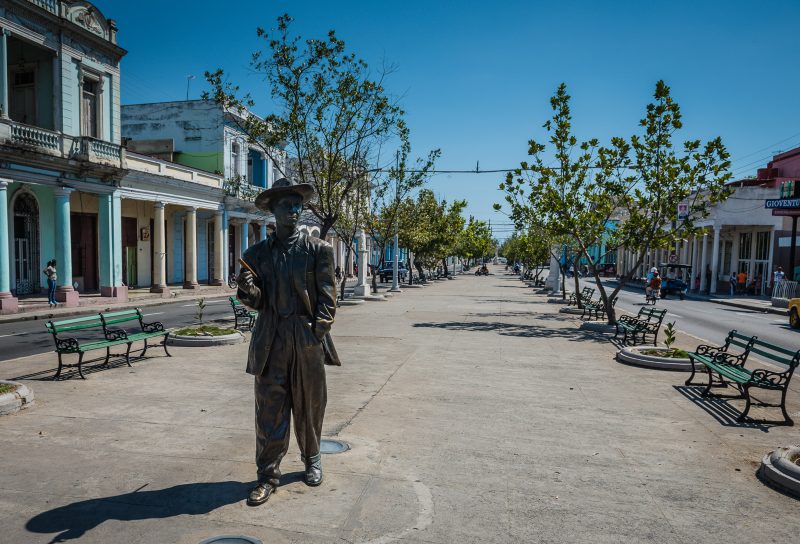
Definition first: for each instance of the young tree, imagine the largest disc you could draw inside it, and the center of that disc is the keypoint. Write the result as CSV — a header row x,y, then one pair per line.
x,y
352,219
475,240
645,191
389,193
430,228
332,115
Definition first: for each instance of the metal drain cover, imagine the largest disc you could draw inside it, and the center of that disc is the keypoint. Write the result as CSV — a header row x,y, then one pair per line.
x,y
231,539
329,446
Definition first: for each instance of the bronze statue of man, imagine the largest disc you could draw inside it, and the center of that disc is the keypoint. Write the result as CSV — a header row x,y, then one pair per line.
x,y
290,282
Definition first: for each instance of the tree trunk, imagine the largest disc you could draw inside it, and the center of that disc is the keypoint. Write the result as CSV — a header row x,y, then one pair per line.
x,y
444,262
577,282
324,228
410,278
420,272
347,252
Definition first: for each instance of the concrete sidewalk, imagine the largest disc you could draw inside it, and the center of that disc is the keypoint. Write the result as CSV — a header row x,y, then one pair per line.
x,y
476,413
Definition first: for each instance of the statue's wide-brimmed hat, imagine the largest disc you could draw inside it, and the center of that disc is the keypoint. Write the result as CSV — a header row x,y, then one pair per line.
x,y
283,187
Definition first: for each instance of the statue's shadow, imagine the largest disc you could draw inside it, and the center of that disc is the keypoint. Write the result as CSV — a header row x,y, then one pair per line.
x,y
72,521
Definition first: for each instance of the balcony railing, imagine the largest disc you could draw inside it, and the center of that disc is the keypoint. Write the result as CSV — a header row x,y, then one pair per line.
x,y
35,136
240,188
105,150
49,5
49,142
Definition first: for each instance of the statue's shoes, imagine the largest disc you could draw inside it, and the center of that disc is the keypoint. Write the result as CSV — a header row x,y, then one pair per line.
x,y
259,494
314,473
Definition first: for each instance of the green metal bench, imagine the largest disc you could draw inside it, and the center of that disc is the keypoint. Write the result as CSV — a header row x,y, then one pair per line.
x,y
584,296
240,311
70,344
704,353
730,370
647,321
597,308
146,330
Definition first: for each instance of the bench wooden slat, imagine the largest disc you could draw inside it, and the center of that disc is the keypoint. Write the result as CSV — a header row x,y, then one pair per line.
x,y
771,355
134,312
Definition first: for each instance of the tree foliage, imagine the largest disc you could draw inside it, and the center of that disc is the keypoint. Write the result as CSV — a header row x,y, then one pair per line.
x,y
389,193
430,228
333,115
625,194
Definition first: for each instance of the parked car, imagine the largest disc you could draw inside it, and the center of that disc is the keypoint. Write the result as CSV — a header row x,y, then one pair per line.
x,y
386,272
794,313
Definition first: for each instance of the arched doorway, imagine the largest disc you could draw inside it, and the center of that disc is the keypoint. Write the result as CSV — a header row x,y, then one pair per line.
x,y
26,244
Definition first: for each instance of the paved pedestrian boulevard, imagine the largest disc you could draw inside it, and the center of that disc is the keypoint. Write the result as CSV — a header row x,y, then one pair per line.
x,y
475,413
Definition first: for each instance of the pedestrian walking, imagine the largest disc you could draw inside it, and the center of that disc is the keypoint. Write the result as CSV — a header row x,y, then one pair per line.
x,y
52,276
778,276
741,282
732,281
708,279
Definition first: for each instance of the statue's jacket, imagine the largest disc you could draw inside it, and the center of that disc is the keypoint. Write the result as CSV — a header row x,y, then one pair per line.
x,y
312,277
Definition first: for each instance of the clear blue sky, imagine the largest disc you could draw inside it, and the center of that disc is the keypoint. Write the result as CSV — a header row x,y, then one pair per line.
x,y
475,77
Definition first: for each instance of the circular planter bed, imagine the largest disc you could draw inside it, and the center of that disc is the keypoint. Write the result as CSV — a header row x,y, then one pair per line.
x,y
781,468
597,326
350,302
655,357
14,397
205,335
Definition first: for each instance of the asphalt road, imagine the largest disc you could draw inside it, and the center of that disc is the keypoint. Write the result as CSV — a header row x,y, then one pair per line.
x,y
711,322
23,338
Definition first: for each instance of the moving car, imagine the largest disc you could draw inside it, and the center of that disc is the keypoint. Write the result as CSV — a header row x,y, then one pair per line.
x,y
794,313
671,284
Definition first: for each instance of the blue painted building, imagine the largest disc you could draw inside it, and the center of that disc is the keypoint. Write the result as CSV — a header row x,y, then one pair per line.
x,y
112,219
59,139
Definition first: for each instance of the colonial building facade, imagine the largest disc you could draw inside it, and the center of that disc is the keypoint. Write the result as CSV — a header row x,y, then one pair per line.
x,y
69,190
739,235
59,143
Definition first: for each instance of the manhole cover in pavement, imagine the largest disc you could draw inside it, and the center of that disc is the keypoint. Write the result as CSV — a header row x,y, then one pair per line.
x,y
328,446
229,539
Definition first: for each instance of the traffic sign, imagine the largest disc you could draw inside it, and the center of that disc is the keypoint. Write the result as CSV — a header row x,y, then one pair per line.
x,y
673,259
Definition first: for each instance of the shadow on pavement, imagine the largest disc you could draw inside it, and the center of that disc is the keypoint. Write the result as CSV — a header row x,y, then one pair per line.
x,y
718,408
74,520
90,366
512,329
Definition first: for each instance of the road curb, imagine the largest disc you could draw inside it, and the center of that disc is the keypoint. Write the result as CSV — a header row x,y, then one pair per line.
x,y
71,312
766,309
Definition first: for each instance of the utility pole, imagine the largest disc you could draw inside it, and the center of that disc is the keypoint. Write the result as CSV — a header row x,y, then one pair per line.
x,y
395,271
793,249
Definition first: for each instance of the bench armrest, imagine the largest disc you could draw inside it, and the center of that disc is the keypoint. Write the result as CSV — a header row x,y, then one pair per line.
x,y
155,326
67,344
725,358
628,319
115,334
774,378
